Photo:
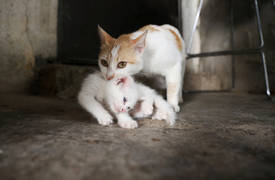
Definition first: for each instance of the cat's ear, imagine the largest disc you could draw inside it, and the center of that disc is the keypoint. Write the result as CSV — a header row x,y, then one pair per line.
x,y
139,42
105,38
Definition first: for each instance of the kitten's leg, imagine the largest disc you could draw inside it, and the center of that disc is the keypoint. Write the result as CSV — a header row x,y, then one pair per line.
x,y
125,121
164,111
96,109
146,108
173,82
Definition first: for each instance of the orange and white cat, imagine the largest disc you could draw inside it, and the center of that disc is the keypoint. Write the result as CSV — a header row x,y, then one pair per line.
x,y
152,49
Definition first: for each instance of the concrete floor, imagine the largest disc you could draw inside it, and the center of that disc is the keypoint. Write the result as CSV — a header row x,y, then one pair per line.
x,y
217,136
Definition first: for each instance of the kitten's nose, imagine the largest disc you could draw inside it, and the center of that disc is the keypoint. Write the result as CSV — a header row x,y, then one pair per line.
x,y
110,77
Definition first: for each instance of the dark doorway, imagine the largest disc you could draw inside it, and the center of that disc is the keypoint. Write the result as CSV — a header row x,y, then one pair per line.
x,y
78,41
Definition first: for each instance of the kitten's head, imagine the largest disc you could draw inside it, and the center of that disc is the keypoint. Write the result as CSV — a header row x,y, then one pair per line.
x,y
121,55
121,94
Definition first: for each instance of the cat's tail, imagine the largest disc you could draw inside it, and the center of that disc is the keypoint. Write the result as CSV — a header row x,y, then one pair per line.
x,y
164,111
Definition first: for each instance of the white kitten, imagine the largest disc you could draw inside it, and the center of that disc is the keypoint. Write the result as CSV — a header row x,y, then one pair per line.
x,y
121,94
152,49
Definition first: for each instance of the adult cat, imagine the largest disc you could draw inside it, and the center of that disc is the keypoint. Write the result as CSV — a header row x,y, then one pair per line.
x,y
152,49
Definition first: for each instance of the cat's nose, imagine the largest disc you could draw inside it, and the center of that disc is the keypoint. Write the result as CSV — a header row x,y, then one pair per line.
x,y
110,77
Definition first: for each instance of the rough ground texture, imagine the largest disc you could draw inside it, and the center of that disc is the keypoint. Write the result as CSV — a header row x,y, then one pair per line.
x,y
217,136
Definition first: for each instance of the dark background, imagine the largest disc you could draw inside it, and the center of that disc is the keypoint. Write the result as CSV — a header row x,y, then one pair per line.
x,y
78,41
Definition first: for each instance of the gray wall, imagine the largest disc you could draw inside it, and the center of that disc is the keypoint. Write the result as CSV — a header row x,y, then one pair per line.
x,y
249,70
212,34
27,30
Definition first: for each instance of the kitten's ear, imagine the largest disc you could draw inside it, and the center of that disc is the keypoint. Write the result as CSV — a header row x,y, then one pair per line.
x,y
105,38
139,42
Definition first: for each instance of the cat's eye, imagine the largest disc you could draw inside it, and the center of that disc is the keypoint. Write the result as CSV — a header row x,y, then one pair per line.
x,y
128,107
122,64
104,62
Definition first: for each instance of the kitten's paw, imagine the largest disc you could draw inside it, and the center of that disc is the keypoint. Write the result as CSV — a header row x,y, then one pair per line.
x,y
105,120
147,108
171,120
129,124
139,115
160,115
168,116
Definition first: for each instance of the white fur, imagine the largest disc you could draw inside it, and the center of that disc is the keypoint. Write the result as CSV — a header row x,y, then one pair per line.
x,y
160,56
115,51
95,90
149,98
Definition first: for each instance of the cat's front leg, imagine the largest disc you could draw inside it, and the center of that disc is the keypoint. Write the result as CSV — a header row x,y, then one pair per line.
x,y
125,121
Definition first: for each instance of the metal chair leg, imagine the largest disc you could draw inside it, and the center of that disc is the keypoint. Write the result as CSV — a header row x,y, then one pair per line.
x,y
259,25
194,28
258,50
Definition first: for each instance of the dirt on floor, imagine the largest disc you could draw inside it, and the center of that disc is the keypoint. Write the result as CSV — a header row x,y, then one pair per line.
x,y
216,136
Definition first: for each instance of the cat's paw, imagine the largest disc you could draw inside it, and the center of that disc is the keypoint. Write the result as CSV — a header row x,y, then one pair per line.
x,y
129,124
105,120
176,108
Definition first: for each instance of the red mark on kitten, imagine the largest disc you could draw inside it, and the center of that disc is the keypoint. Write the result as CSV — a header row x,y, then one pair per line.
x,y
121,81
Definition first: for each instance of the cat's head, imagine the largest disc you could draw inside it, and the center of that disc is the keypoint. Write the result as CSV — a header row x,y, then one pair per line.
x,y
121,55
121,94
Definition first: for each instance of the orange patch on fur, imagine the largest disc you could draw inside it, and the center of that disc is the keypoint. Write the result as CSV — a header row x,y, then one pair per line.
x,y
171,89
177,38
126,51
149,28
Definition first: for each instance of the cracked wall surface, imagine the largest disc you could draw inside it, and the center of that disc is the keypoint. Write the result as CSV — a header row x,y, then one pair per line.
x,y
27,30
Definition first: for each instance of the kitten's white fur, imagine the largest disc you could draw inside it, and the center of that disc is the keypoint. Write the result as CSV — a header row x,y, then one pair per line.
x,y
96,90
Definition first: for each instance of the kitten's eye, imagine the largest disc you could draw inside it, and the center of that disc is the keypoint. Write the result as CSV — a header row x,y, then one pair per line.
x,y
104,62
122,64
128,107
